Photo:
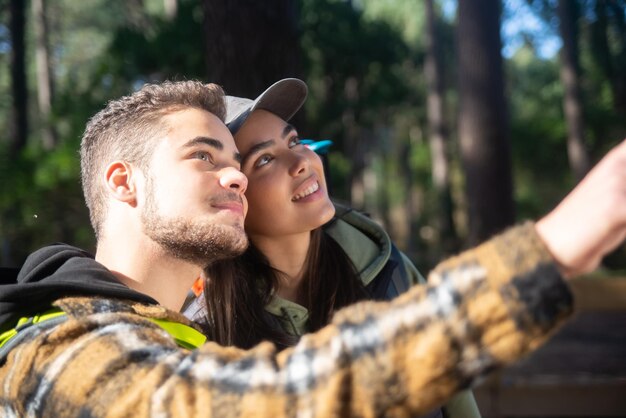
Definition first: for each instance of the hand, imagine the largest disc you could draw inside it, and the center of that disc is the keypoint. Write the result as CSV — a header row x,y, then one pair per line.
x,y
591,221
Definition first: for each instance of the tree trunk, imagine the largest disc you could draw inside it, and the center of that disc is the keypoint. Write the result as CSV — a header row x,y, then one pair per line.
x,y
611,61
361,179
360,176
250,44
18,76
483,120
44,79
572,102
414,200
171,9
438,134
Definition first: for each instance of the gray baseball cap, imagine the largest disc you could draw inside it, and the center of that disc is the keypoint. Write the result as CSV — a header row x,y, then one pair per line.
x,y
283,98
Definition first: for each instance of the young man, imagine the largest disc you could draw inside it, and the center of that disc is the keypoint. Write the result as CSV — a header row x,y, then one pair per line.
x,y
85,337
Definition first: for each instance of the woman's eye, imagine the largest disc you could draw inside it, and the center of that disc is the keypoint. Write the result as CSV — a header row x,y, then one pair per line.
x,y
294,141
264,159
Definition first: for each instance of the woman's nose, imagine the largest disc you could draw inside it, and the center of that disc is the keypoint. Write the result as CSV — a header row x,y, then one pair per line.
x,y
299,165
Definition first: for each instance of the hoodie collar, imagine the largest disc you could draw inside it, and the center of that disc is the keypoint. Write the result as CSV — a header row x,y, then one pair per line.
x,y
59,271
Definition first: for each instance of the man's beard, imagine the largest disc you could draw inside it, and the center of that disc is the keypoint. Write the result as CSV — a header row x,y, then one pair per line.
x,y
198,242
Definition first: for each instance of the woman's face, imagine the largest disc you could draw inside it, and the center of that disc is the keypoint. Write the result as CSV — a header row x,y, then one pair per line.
x,y
287,191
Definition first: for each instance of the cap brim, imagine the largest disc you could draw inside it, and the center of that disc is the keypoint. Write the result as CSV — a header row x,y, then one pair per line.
x,y
283,98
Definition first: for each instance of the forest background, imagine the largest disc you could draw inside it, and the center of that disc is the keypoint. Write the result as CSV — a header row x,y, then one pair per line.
x,y
449,121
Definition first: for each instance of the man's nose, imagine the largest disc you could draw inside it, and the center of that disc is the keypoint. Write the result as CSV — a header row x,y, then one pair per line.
x,y
233,180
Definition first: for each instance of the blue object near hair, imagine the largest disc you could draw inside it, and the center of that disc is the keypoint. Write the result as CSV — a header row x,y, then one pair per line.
x,y
320,147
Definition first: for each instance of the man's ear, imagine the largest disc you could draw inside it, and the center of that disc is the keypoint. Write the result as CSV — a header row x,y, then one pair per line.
x,y
120,182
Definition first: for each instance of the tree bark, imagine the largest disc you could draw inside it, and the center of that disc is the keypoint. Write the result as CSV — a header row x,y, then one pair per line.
x,y
171,9
413,207
570,77
483,120
438,133
611,16
250,44
18,76
361,179
44,79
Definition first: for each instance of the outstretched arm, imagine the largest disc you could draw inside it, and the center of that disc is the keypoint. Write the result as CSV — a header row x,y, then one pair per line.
x,y
591,221
489,306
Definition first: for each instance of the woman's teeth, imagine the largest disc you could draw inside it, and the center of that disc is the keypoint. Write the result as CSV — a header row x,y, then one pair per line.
x,y
311,189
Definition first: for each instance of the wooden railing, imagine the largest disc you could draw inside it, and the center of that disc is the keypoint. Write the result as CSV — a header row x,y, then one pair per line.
x,y
580,372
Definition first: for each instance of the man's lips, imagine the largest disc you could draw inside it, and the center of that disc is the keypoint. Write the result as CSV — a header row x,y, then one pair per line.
x,y
236,207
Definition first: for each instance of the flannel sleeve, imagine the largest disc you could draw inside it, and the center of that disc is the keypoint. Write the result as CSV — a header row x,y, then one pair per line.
x,y
480,311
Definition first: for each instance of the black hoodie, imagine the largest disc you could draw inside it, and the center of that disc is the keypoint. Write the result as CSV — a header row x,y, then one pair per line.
x,y
55,272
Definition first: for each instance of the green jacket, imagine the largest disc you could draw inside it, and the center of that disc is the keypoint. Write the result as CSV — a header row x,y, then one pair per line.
x,y
369,248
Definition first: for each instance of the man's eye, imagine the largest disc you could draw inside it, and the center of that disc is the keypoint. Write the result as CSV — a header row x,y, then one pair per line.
x,y
264,159
204,156
294,141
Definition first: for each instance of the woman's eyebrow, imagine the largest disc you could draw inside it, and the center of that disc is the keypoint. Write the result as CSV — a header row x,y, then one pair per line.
x,y
287,130
256,148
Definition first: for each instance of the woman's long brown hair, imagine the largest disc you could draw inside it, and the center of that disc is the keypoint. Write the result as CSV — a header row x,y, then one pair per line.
x,y
237,291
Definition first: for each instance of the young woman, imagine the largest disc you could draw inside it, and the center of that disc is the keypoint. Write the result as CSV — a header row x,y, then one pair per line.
x,y
307,257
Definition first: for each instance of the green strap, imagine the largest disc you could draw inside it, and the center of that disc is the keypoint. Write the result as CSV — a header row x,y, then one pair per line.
x,y
27,321
184,335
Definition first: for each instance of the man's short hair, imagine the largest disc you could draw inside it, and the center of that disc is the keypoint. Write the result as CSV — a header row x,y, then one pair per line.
x,y
127,127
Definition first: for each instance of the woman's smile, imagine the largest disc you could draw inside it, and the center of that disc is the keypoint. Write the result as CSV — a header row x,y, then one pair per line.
x,y
306,192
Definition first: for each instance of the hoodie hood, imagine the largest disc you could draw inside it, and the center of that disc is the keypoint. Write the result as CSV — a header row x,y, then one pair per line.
x,y
365,242
55,272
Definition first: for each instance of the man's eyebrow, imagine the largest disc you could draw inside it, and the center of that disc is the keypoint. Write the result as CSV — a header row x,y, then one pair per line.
x,y
256,148
215,143
212,142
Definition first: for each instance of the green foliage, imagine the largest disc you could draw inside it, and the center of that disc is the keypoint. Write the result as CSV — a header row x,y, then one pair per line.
x,y
363,63
340,171
407,16
538,132
168,50
44,203
349,65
